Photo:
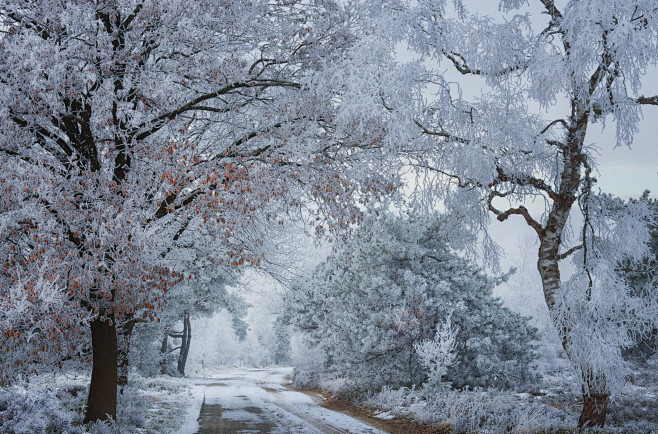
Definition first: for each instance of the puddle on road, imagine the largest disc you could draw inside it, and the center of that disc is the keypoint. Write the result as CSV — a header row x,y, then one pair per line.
x,y
217,385
214,419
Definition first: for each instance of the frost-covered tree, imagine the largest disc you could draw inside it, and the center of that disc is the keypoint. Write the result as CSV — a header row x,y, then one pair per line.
x,y
388,289
642,277
547,74
41,327
164,346
438,354
138,138
192,300
281,344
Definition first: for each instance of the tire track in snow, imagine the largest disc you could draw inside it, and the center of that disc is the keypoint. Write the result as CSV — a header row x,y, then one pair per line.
x,y
318,424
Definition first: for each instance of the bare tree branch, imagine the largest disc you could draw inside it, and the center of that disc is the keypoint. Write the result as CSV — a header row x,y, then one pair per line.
x,y
569,252
158,122
556,121
551,9
442,134
521,210
524,180
648,100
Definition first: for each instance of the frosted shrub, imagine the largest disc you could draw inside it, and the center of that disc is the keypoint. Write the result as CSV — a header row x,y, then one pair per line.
x,y
132,408
33,409
308,361
305,379
438,354
490,411
469,411
389,399
334,384
149,404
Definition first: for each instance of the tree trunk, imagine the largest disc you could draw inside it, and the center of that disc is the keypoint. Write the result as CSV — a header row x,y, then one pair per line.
x,y
550,240
595,406
163,351
102,399
123,351
185,344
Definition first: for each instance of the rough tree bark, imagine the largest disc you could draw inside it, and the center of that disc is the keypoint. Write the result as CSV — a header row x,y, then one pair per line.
x,y
595,407
102,399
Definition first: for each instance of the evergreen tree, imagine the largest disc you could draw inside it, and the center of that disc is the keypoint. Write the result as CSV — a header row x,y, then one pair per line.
x,y
387,290
641,277
281,344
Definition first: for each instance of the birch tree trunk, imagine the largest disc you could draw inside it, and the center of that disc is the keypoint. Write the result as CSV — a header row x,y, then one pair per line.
x,y
595,394
595,403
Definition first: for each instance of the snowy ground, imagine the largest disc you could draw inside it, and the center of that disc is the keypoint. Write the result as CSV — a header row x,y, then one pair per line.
x,y
256,400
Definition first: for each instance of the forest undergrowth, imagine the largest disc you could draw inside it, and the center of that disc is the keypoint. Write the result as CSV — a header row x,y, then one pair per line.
x,y
147,405
550,405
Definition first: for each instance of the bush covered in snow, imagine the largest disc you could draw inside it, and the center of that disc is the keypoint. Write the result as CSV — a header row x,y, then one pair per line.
x,y
34,409
550,406
438,354
469,411
55,404
309,363
369,305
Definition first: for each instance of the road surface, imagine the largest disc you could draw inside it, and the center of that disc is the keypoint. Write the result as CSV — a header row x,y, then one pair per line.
x,y
240,400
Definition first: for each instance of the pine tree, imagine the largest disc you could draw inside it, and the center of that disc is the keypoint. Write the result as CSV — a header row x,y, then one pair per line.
x,y
641,277
387,290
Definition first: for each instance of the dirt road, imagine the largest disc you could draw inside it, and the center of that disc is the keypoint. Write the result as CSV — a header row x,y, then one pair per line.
x,y
256,400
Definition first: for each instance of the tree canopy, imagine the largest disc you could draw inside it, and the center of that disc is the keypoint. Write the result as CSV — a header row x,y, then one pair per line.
x,y
142,139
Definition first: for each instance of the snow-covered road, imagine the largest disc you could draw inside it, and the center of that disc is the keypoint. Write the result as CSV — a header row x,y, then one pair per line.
x,y
238,400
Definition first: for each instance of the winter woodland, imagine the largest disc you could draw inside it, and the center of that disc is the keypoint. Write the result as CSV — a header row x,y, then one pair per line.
x,y
357,157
